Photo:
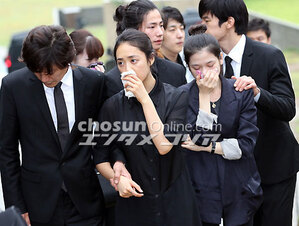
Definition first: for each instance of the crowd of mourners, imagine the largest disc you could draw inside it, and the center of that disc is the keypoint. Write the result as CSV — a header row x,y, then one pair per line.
x,y
181,131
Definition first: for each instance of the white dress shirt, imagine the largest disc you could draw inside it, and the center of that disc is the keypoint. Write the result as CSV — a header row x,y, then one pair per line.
x,y
236,54
67,88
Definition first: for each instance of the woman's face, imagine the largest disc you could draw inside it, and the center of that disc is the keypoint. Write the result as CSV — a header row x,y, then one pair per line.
x,y
152,25
129,57
203,61
82,59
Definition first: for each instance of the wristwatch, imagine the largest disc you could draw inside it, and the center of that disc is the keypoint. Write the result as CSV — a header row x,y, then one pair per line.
x,y
213,147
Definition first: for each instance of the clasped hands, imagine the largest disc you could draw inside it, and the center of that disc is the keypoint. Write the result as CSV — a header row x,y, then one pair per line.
x,y
123,183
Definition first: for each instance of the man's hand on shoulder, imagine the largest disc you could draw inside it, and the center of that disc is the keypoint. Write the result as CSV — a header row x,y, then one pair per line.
x,y
245,83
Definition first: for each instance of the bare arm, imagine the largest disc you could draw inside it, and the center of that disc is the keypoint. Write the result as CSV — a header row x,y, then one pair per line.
x,y
154,123
126,186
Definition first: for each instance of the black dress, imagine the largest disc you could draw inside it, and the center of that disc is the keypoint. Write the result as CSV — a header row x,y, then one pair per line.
x,y
169,198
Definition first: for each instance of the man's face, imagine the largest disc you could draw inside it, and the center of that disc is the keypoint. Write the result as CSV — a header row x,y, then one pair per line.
x,y
174,37
51,80
152,25
213,28
259,35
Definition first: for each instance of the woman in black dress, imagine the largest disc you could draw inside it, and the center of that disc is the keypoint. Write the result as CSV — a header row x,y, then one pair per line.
x,y
167,197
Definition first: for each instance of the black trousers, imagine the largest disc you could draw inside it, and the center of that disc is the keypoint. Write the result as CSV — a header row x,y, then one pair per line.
x,y
277,207
250,223
66,214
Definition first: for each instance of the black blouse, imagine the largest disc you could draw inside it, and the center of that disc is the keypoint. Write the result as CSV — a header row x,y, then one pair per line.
x,y
159,176
144,162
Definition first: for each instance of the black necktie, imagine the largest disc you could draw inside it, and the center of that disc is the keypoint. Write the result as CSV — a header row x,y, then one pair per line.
x,y
229,72
62,118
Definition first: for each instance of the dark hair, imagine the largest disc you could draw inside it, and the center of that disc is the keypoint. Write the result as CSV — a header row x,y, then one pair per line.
x,y
137,39
259,24
169,12
46,46
200,40
223,9
196,29
132,15
83,39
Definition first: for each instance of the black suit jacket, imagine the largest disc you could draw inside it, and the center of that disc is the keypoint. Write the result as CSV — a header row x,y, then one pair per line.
x,y
167,71
25,117
276,151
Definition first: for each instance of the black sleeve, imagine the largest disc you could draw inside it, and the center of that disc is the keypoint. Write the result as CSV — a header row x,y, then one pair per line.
x,y
176,120
106,148
172,163
9,152
102,90
183,72
247,130
278,100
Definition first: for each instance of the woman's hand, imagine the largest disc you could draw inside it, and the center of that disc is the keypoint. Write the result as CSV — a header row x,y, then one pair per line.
x,y
26,218
191,146
208,81
100,68
128,187
135,85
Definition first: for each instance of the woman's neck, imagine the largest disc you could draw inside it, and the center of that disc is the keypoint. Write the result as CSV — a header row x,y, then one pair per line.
x,y
149,82
216,93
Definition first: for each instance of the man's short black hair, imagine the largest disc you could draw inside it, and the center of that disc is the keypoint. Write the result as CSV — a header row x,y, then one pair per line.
x,y
169,12
259,24
223,9
46,46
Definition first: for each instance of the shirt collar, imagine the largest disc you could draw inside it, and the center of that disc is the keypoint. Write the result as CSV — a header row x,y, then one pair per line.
x,y
237,52
67,78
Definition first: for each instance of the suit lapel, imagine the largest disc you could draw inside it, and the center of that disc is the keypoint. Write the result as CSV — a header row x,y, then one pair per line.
x,y
40,99
227,107
78,93
247,58
194,98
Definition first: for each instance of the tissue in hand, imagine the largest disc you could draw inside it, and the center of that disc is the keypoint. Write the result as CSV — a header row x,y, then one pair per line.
x,y
127,93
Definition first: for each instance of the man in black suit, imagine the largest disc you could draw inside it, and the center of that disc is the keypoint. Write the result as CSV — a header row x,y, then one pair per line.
x,y
41,106
263,68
